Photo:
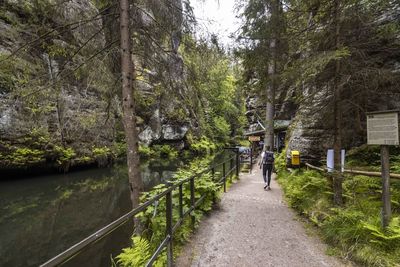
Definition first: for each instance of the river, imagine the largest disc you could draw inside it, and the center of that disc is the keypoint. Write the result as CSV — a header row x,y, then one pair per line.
x,y
42,216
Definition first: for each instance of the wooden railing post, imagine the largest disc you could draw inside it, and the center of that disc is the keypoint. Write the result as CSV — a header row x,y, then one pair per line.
x,y
385,168
251,160
230,170
192,201
170,255
237,164
224,176
180,201
214,199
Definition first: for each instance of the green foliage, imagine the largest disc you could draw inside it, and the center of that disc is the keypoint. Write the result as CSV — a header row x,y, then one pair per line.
x,y
388,238
24,156
215,99
101,151
145,151
164,151
368,157
203,146
153,218
64,154
119,149
13,73
101,4
354,230
137,255
221,128
158,151
280,161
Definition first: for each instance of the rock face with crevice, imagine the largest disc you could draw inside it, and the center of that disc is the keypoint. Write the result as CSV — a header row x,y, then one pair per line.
x,y
371,86
60,100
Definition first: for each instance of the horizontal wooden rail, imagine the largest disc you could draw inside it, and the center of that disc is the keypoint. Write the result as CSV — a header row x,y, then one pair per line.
x,y
167,194
351,171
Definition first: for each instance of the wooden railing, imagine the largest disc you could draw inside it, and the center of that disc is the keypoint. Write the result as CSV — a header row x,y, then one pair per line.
x,y
234,166
351,171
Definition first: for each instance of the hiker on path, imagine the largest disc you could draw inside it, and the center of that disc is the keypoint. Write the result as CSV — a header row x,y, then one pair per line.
x,y
267,164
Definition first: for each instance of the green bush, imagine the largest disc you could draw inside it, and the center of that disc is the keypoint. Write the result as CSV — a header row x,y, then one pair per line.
x,y
164,151
203,146
145,151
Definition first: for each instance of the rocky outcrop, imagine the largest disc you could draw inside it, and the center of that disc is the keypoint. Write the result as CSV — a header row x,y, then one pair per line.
x,y
369,78
59,100
311,129
371,86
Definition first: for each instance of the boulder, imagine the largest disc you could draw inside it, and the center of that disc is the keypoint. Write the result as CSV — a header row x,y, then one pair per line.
x,y
174,132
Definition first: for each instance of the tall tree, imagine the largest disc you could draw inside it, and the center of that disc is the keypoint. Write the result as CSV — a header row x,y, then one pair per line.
x,y
128,104
261,50
337,133
271,72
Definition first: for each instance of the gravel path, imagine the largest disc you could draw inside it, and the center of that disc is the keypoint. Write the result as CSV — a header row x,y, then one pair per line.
x,y
253,227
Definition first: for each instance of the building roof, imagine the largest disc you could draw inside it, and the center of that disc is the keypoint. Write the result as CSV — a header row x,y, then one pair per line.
x,y
279,125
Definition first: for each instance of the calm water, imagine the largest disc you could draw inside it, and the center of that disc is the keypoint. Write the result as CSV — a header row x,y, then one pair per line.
x,y
42,216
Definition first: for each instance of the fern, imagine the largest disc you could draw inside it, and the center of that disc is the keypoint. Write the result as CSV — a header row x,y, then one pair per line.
x,y
153,218
355,228
137,255
389,237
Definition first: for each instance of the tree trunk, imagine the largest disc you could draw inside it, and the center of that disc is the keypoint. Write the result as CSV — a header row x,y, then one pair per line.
x,y
271,85
128,105
337,142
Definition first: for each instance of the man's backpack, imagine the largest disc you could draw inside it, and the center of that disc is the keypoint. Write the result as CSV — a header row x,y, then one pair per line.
x,y
268,158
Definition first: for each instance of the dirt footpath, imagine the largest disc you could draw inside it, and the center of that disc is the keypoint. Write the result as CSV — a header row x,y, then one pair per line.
x,y
253,227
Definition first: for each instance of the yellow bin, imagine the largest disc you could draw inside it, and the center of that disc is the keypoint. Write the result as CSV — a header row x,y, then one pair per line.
x,y
295,158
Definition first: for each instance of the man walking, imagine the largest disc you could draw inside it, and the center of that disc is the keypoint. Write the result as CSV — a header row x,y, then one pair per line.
x,y
267,164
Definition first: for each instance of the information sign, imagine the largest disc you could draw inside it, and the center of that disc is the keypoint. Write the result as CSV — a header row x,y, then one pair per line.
x,y
383,128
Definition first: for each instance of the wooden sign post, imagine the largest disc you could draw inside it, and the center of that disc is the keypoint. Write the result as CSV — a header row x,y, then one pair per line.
x,y
383,129
254,138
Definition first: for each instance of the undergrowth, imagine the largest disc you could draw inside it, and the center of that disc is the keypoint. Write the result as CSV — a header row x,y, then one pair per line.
x,y
153,218
354,230
367,157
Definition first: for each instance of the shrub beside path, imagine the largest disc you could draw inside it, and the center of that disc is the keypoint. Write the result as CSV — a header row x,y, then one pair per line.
x,y
253,227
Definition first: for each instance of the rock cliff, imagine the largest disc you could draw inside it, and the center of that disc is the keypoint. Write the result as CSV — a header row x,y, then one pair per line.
x,y
59,83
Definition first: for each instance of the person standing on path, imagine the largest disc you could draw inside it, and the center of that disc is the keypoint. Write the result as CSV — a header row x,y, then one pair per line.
x,y
267,164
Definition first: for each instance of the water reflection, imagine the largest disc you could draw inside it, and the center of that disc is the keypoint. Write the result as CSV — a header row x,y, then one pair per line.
x,y
42,216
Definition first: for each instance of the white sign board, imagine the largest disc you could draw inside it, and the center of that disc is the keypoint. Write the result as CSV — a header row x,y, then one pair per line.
x,y
383,128
330,160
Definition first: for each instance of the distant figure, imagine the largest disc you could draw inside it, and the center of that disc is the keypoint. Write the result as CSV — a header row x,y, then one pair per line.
x,y
267,163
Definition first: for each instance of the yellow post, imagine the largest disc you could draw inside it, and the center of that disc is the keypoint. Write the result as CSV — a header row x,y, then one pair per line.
x,y
295,155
